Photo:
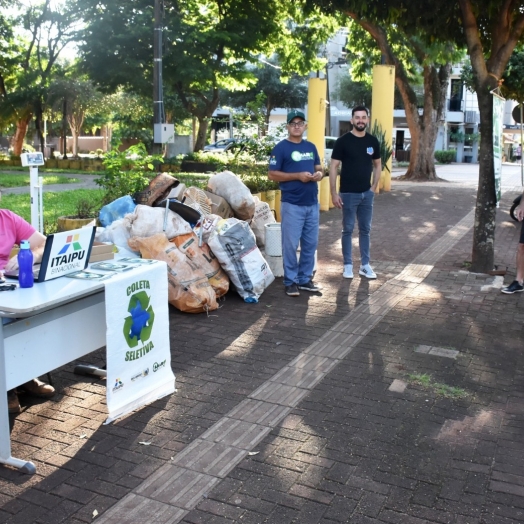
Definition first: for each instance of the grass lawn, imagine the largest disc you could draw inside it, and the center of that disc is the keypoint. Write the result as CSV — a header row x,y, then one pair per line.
x,y
23,180
56,204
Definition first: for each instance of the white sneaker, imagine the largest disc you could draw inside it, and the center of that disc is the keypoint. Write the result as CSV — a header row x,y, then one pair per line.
x,y
348,271
367,272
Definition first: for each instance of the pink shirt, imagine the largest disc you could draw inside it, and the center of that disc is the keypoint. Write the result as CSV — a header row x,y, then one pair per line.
x,y
13,229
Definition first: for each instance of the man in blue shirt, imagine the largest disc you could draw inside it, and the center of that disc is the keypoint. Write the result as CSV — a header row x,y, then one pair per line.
x,y
295,165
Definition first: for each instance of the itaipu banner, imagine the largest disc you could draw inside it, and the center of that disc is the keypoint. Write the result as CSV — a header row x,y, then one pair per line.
x,y
498,128
137,338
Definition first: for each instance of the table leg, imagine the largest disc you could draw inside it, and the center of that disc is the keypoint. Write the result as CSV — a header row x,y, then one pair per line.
x,y
5,435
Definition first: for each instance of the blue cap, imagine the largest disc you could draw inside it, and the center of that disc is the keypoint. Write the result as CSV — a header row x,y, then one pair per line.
x,y
295,113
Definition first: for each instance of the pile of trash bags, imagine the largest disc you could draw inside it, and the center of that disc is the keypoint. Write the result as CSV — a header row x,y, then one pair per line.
x,y
207,238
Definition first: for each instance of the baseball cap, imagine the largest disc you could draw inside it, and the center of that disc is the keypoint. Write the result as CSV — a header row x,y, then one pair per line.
x,y
295,113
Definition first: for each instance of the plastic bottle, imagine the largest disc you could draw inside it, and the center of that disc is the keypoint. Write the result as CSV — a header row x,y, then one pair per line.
x,y
25,265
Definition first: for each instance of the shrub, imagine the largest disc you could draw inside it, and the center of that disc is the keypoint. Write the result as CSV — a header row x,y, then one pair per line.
x,y
385,148
86,208
127,172
257,181
446,157
173,160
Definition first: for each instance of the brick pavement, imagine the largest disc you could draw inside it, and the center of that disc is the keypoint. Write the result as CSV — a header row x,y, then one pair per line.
x,y
350,450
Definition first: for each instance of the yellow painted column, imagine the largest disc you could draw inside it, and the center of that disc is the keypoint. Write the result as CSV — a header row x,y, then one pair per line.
x,y
383,94
316,123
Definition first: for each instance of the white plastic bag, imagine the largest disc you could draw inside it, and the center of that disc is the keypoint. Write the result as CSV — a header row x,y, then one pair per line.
x,y
235,192
117,233
147,221
234,245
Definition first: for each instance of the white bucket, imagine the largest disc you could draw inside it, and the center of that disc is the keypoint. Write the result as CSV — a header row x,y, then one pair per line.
x,y
273,245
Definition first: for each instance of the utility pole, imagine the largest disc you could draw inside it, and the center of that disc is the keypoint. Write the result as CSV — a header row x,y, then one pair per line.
x,y
158,104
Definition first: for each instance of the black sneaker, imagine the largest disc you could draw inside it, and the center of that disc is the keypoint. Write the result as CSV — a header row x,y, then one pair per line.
x,y
514,287
310,286
292,290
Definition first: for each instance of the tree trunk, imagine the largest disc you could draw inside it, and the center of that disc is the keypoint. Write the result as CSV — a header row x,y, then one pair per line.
x,y
38,124
422,158
75,121
423,128
75,142
21,129
483,252
202,108
203,124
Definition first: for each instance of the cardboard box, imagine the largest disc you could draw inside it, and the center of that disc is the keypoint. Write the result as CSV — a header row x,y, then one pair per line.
x,y
101,251
100,258
219,205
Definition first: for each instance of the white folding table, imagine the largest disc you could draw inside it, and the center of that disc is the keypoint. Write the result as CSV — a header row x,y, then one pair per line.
x,y
57,321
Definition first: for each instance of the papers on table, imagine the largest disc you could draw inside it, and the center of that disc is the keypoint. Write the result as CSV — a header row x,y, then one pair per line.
x,y
105,270
88,275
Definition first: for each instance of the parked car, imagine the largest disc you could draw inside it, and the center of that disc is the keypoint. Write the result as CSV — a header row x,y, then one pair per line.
x,y
221,145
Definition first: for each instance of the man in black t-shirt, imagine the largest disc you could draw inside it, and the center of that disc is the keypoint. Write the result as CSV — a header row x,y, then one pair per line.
x,y
359,154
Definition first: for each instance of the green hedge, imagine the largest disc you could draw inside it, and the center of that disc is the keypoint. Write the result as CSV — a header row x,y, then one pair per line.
x,y
446,157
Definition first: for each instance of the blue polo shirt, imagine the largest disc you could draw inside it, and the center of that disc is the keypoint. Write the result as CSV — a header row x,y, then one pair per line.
x,y
290,157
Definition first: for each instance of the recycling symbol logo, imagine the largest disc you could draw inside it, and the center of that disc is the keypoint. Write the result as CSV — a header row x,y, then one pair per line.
x,y
139,323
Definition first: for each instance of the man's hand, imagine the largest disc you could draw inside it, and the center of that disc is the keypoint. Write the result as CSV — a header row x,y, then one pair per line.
x,y
337,201
306,177
318,176
519,211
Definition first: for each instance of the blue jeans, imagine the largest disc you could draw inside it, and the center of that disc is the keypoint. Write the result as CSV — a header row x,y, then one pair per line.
x,y
299,224
359,206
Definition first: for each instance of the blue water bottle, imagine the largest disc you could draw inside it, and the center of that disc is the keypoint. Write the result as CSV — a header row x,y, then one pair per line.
x,y
25,265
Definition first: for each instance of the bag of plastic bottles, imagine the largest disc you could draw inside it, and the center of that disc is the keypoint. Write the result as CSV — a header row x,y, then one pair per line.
x,y
116,210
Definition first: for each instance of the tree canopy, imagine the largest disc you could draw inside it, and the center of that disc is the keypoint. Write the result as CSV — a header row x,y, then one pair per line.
x,y
290,91
207,45
38,34
416,62
513,85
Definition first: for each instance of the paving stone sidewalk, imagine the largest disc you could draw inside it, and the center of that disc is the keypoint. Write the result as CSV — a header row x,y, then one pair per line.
x,y
84,182
382,421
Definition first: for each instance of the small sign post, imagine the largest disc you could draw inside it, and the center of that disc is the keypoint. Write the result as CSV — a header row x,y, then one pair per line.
x,y
33,160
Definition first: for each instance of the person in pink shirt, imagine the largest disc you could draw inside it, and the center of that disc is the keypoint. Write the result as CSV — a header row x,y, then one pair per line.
x,y
14,229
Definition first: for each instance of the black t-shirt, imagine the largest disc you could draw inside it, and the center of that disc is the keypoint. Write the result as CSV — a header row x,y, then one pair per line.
x,y
357,155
